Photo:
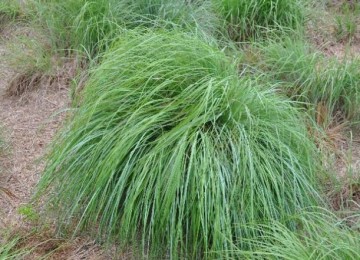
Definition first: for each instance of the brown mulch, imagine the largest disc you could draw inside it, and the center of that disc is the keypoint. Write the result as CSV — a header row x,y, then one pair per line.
x,y
30,122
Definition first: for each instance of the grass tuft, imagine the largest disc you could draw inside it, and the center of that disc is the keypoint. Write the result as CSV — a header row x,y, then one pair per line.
x,y
90,25
251,18
8,250
320,235
9,11
328,87
74,24
171,145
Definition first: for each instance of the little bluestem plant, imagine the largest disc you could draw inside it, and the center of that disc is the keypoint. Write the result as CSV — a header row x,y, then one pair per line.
x,y
171,145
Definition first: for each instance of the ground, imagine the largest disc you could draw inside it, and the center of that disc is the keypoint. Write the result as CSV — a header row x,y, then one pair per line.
x,y
30,122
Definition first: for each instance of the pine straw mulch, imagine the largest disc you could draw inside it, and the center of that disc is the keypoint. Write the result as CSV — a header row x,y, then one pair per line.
x,y
30,118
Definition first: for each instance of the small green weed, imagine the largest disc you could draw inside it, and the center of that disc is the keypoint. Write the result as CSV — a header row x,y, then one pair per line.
x,y
30,55
28,212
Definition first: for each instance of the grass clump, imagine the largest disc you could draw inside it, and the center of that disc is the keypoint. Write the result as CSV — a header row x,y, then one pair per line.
x,y
90,25
31,57
9,10
320,235
74,24
169,144
197,15
251,18
347,20
328,87
9,250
